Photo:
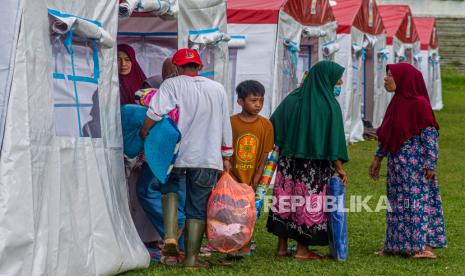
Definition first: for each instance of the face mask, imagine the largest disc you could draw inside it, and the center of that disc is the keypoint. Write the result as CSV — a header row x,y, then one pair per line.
x,y
337,90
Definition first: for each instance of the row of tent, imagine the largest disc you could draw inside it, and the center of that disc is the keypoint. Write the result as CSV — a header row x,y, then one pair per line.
x,y
277,41
63,194
358,34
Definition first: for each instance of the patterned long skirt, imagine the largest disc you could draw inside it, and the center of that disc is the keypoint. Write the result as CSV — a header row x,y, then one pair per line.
x,y
298,198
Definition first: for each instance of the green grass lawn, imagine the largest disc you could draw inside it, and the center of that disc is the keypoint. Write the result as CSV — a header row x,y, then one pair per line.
x,y
366,230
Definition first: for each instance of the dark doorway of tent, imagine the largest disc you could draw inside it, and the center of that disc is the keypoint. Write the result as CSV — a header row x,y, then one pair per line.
x,y
152,38
308,56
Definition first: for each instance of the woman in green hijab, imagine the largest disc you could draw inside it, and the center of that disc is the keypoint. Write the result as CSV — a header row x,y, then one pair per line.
x,y
308,127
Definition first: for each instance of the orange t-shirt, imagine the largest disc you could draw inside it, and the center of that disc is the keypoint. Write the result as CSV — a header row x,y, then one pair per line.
x,y
252,142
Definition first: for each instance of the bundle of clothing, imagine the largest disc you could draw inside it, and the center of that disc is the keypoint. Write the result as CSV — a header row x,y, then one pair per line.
x,y
231,215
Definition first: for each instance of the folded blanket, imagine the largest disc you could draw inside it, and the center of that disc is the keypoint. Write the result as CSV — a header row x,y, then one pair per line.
x,y
161,145
132,119
161,148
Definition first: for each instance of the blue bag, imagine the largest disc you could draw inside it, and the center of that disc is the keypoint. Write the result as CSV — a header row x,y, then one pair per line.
x,y
161,148
260,194
337,220
132,119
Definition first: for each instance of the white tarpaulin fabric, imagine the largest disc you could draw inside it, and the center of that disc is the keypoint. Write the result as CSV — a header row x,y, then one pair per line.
x,y
405,52
254,61
63,24
350,98
286,58
278,67
157,7
197,18
364,57
430,67
237,42
64,206
9,26
436,95
385,97
381,96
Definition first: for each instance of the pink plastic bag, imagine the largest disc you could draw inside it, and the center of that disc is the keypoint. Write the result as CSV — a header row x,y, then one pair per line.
x,y
231,215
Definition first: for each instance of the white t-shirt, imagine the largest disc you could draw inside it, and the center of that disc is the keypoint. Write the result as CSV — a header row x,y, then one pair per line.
x,y
203,119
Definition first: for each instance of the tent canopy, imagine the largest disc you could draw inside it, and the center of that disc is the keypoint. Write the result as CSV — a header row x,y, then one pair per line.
x,y
426,27
310,12
362,14
254,11
306,12
399,23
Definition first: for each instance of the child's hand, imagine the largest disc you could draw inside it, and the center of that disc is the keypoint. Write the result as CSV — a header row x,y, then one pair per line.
x,y
256,181
227,165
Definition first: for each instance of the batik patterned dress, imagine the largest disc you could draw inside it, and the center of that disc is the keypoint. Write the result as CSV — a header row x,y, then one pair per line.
x,y
298,197
415,218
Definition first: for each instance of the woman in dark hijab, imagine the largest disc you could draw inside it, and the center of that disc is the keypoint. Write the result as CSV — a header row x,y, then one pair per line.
x,y
131,76
408,137
309,131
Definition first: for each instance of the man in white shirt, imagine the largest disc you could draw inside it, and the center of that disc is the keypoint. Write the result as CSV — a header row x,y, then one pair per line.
x,y
205,148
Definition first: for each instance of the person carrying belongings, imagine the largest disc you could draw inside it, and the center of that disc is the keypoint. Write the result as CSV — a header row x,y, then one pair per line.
x,y
253,140
205,149
148,186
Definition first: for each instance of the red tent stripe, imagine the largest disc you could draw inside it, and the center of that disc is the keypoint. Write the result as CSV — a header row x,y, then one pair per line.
x,y
267,11
426,31
362,14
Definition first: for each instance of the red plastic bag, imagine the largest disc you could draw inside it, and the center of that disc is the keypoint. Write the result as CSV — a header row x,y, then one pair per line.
x,y
231,215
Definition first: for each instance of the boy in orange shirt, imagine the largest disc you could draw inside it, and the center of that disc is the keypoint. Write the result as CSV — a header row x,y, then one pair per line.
x,y
252,137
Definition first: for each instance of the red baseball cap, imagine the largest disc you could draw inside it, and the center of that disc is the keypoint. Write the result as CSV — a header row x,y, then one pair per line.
x,y
185,56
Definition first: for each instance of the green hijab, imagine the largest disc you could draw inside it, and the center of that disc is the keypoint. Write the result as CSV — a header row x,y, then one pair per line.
x,y
308,122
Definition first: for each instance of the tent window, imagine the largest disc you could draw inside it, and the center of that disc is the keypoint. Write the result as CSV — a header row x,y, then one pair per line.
x,y
75,86
305,61
290,61
380,67
207,55
355,70
436,71
409,56
368,84
206,43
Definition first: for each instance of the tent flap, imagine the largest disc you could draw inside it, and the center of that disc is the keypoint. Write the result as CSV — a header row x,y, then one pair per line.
x,y
68,192
202,25
9,29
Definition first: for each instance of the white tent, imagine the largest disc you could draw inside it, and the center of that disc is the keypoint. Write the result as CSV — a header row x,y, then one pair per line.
x,y
62,184
402,34
155,34
403,42
430,66
362,37
275,42
9,27
199,24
